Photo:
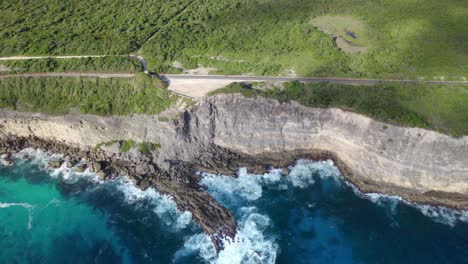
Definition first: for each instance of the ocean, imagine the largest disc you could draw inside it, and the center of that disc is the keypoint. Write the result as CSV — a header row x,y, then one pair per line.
x,y
311,216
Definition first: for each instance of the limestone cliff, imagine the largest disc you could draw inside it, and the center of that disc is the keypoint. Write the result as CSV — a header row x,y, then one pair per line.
x,y
223,132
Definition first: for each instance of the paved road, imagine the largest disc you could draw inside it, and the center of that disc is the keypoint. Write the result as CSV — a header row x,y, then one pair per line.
x,y
301,79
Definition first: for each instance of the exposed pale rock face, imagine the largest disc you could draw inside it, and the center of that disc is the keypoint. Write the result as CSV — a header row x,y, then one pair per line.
x,y
85,130
405,157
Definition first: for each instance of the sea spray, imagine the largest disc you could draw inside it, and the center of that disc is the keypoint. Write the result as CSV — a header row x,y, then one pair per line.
x,y
162,205
250,245
311,215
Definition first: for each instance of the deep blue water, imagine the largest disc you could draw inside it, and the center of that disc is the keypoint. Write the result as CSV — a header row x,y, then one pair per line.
x,y
311,216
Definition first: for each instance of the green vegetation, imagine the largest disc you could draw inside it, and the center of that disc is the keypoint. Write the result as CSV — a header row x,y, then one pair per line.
x,y
101,27
163,118
98,96
437,107
97,64
404,39
98,146
146,147
349,32
125,145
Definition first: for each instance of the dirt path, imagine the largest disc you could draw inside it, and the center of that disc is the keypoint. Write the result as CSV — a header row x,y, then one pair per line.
x,y
54,57
71,74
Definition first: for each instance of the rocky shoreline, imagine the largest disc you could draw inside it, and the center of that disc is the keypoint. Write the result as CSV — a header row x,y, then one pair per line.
x,y
226,132
214,219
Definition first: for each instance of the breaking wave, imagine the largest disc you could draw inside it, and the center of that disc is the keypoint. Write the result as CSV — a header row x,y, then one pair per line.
x,y
252,245
163,205
256,241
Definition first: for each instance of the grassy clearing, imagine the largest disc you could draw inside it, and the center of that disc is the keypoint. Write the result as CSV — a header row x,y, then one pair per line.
x,y
97,64
350,33
98,96
436,107
405,39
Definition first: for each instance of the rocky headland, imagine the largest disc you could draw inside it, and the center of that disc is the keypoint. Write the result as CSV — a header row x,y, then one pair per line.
x,y
222,133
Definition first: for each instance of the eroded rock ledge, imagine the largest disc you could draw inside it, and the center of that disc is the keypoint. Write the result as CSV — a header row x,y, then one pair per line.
x,y
222,133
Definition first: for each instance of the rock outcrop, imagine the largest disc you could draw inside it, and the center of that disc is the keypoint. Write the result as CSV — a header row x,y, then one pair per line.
x,y
222,133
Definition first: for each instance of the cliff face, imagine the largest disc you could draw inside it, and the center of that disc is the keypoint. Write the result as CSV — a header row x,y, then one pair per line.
x,y
411,158
420,165
226,131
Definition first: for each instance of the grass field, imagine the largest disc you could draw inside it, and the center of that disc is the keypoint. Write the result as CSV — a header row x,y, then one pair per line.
x,y
96,64
401,39
405,39
99,96
436,107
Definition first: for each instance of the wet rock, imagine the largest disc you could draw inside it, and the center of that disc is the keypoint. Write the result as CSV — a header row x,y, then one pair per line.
x,y
95,167
144,184
8,161
80,168
101,175
70,163
284,172
55,164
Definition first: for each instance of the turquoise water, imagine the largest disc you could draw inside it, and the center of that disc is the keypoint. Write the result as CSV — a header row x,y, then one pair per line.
x,y
312,216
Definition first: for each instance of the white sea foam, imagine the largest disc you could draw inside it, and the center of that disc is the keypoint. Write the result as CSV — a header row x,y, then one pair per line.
x,y
163,205
249,246
24,205
36,157
442,214
250,186
69,175
199,244
302,175
438,214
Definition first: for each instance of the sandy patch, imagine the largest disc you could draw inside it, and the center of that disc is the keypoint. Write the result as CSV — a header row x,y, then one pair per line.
x,y
198,71
196,88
